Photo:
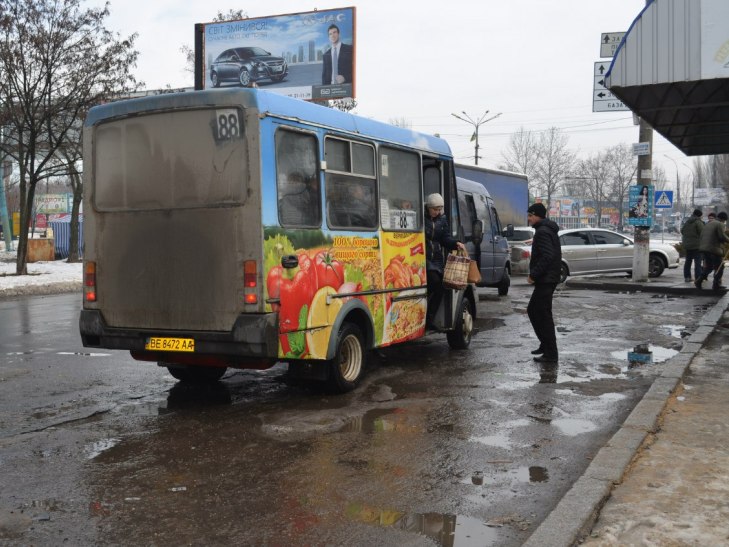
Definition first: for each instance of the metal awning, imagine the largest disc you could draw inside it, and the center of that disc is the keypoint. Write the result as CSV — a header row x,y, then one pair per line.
x,y
672,70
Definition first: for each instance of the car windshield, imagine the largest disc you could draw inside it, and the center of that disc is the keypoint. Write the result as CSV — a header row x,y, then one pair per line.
x,y
521,235
251,51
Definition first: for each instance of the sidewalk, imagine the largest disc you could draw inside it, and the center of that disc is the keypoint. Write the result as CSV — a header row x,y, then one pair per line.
x,y
663,478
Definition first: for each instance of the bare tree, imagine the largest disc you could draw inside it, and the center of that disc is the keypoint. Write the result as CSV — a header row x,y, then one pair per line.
x,y
554,161
401,121
596,171
521,154
56,60
623,166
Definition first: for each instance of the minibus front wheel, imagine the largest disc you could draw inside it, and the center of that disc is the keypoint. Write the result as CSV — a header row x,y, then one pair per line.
x,y
347,367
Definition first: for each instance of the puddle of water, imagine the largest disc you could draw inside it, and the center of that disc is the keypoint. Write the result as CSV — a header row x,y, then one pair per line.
x,y
674,331
531,474
443,529
96,448
498,440
659,354
83,354
381,420
573,427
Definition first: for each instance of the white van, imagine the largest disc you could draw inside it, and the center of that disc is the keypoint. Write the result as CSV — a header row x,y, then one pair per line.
x,y
482,232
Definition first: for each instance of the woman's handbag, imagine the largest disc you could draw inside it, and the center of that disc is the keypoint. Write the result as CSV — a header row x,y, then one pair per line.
x,y
455,274
474,274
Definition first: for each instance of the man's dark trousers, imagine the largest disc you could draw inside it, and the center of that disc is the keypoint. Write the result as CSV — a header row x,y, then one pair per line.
x,y
540,315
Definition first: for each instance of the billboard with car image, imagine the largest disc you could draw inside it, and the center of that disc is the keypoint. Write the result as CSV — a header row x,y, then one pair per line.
x,y
308,55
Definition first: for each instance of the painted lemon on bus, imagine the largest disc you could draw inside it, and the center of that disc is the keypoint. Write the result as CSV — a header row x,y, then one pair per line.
x,y
321,316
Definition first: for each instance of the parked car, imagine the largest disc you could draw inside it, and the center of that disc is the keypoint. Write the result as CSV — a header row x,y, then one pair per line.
x,y
520,244
593,250
244,65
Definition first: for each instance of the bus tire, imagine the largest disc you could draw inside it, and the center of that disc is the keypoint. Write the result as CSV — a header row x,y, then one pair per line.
x,y
215,80
347,367
460,336
505,283
195,375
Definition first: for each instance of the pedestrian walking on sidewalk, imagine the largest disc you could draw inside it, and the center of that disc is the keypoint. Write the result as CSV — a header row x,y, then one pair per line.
x,y
713,236
544,274
690,239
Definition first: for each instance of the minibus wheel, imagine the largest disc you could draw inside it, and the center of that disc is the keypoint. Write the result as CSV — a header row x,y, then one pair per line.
x,y
347,367
504,283
460,336
195,375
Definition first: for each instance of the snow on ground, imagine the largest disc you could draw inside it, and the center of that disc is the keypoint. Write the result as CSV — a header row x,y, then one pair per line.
x,y
43,277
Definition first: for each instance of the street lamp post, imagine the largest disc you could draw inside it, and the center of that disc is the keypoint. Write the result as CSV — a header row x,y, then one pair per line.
x,y
678,184
476,124
692,184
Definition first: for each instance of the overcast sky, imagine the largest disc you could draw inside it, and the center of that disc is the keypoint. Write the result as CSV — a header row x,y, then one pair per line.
x,y
530,60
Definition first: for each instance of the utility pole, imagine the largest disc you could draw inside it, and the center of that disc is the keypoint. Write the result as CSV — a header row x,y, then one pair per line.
x,y
642,238
476,124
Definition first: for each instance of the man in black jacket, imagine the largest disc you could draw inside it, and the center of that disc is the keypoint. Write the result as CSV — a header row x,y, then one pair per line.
x,y
339,72
544,274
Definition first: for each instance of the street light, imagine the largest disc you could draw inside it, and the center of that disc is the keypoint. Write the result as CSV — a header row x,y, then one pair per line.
x,y
476,124
678,186
692,183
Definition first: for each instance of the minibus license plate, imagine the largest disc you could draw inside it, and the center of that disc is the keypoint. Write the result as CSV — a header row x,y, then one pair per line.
x,y
169,344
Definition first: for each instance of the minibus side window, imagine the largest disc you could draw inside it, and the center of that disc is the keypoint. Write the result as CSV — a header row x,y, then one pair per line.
x,y
401,206
299,198
351,192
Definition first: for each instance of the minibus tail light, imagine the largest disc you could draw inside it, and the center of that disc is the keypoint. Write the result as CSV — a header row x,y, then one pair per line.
x,y
90,281
250,274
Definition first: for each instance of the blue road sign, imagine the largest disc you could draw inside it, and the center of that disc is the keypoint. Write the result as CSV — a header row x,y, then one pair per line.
x,y
664,199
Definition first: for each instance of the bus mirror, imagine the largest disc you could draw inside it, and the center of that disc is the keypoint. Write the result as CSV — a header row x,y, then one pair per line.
x,y
509,230
289,261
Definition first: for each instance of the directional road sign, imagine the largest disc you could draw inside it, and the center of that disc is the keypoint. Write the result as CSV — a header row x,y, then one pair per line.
x,y
664,199
602,98
609,42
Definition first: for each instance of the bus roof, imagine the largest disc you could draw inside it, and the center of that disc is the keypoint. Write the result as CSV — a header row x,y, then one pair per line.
x,y
276,105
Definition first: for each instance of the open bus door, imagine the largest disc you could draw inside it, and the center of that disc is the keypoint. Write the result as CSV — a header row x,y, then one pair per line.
x,y
457,312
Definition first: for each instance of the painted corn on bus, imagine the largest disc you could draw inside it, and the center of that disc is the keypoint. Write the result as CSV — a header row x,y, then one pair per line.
x,y
240,228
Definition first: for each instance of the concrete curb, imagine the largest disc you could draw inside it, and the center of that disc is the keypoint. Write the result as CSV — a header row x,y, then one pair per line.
x,y
576,513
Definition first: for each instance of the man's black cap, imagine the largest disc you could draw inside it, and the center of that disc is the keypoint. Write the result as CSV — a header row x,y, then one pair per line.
x,y
538,209
721,216
698,213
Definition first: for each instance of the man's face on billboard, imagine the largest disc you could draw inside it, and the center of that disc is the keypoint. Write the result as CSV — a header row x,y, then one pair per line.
x,y
333,35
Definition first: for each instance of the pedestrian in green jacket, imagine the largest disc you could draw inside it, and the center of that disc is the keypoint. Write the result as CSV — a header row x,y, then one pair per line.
x,y
713,236
690,239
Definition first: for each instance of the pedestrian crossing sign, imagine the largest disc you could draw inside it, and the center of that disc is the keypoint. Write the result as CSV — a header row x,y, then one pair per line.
x,y
664,199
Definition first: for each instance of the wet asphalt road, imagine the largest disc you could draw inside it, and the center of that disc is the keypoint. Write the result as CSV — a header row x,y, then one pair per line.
x,y
436,447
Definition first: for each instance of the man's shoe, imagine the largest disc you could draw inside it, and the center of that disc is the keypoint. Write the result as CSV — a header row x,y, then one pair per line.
x,y
537,351
698,282
719,287
546,359
687,279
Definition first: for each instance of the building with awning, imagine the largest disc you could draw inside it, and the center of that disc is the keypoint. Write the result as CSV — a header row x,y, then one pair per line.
x,y
672,70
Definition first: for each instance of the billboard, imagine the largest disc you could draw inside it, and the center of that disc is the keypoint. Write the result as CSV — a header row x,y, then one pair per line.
x,y
640,205
309,55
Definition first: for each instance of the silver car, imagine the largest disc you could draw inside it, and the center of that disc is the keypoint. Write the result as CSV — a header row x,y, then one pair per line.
x,y
593,250
521,249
